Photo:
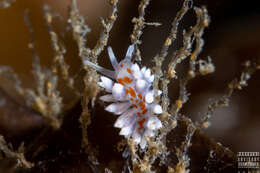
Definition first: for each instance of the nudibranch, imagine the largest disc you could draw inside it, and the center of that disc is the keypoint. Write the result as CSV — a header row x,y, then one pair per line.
x,y
132,97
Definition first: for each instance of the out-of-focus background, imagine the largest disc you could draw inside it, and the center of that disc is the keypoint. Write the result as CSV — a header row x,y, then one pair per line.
x,y
232,37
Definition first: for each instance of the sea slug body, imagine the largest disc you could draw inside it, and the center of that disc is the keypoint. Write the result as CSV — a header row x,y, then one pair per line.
x,y
132,96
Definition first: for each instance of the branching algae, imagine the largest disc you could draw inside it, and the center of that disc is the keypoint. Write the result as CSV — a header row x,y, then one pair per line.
x,y
138,95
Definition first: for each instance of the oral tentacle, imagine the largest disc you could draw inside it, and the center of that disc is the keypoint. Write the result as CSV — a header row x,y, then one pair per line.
x,y
109,73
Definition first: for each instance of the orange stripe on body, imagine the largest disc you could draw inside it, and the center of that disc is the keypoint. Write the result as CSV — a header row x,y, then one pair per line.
x,y
144,111
142,105
127,80
120,81
129,71
141,124
132,92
